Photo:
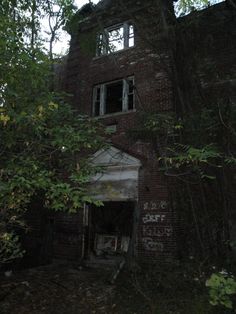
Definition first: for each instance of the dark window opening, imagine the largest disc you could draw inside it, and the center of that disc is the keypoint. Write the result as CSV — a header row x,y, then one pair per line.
x,y
113,97
116,96
97,102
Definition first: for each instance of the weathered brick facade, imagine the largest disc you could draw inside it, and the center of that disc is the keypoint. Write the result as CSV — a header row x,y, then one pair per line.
x,y
150,65
154,231
153,92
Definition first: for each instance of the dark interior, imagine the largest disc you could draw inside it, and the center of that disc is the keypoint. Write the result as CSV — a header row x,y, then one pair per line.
x,y
114,95
114,219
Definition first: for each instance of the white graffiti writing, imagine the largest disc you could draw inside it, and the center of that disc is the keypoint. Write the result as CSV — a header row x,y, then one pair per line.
x,y
157,231
153,218
151,245
161,205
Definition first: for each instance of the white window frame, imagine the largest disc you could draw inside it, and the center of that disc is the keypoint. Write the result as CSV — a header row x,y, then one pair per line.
x,y
102,103
103,37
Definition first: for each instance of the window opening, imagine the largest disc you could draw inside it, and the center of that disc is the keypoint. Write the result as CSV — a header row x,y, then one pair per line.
x,y
112,97
101,45
131,35
130,94
115,38
113,100
97,102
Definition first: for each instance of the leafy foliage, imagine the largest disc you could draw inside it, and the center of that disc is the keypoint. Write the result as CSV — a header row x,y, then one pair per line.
x,y
185,6
9,247
221,288
57,13
42,137
192,158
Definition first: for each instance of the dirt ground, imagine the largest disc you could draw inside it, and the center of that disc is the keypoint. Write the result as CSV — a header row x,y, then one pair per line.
x,y
70,289
66,290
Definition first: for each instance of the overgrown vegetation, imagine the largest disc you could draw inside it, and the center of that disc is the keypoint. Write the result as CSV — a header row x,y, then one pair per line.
x,y
177,287
195,140
41,135
221,287
194,143
195,146
186,6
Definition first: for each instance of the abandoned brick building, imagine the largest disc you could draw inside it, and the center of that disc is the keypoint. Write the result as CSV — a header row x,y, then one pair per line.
x,y
115,73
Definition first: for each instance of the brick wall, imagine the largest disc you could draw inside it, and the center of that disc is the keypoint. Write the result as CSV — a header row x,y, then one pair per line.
x,y
212,36
207,70
153,92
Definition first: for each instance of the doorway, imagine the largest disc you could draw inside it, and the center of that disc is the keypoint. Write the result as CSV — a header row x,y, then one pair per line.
x,y
110,230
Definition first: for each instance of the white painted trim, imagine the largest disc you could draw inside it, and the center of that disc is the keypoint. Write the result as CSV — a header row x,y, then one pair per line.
x,y
102,100
125,96
113,152
116,175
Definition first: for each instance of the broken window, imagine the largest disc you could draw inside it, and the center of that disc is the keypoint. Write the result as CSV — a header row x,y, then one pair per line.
x,y
116,96
115,38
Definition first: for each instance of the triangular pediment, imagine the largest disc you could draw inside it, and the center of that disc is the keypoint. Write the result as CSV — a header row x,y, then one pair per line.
x,y
112,156
118,179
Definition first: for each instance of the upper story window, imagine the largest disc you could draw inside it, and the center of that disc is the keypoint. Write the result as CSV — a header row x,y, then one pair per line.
x,y
115,38
115,96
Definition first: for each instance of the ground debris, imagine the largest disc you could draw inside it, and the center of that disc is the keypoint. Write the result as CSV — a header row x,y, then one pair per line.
x,y
56,290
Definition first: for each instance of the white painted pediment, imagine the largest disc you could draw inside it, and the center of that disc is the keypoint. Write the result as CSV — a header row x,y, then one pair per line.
x,y
112,156
118,179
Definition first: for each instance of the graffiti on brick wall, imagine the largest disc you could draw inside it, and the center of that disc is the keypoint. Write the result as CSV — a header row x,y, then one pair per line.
x,y
153,218
157,231
153,230
157,205
150,244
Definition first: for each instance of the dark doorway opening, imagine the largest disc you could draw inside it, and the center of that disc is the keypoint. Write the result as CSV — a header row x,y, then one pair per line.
x,y
110,229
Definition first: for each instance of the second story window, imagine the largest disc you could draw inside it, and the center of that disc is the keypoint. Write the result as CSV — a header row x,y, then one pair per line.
x,y
112,97
115,38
